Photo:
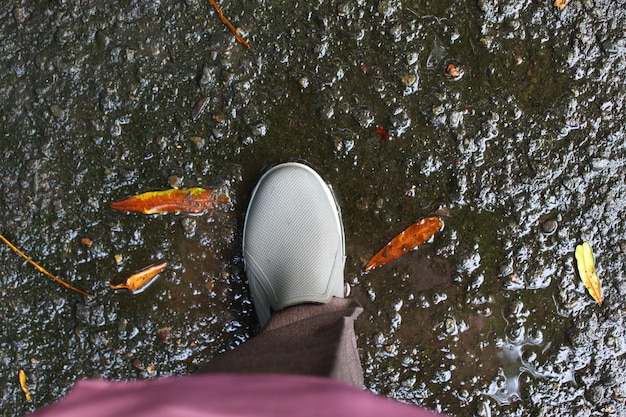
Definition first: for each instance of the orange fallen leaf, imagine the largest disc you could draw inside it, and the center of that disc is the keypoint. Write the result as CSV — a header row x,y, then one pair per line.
x,y
587,271
453,71
190,200
141,280
22,377
560,4
409,239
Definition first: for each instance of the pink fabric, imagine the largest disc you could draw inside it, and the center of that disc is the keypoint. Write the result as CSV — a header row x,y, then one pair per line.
x,y
233,395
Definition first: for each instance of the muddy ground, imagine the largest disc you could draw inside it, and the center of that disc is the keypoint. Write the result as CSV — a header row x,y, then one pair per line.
x,y
521,154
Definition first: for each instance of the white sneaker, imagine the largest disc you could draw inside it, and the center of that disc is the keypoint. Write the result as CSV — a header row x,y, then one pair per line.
x,y
293,240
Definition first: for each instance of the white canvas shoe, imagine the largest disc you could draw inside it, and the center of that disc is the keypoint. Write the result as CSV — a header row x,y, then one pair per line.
x,y
293,240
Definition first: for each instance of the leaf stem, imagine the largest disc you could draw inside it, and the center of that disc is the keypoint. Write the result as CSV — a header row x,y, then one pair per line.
x,y
41,269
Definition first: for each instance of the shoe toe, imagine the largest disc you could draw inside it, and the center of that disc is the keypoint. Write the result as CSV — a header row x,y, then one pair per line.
x,y
293,240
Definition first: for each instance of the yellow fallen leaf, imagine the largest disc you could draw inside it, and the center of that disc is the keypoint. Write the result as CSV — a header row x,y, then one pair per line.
x,y
587,271
22,376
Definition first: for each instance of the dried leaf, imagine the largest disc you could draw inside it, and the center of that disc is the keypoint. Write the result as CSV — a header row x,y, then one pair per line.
x,y
41,269
587,271
224,20
409,239
453,71
22,377
190,200
140,281
560,4
200,107
382,132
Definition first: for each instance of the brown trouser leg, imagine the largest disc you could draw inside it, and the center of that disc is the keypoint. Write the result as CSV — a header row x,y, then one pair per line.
x,y
308,339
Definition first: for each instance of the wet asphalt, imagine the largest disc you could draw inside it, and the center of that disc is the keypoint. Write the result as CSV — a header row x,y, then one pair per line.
x,y
503,118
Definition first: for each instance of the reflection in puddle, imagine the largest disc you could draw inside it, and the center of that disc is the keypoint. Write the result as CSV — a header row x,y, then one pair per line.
x,y
516,358
505,388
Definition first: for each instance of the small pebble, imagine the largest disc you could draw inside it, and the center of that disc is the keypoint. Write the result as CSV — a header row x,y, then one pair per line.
x,y
154,50
197,140
189,226
174,181
227,76
409,79
549,226
609,47
102,40
361,204
137,364
57,111
20,15
164,334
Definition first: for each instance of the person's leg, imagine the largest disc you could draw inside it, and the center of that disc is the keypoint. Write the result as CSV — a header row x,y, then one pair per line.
x,y
307,339
294,255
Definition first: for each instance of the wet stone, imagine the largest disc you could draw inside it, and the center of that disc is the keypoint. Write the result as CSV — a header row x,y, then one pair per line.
x,y
175,181
102,40
549,226
97,317
138,364
386,8
364,117
327,112
259,129
99,340
345,9
609,47
82,313
57,111
208,76
20,14
227,76
189,226
409,79
164,334
198,141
